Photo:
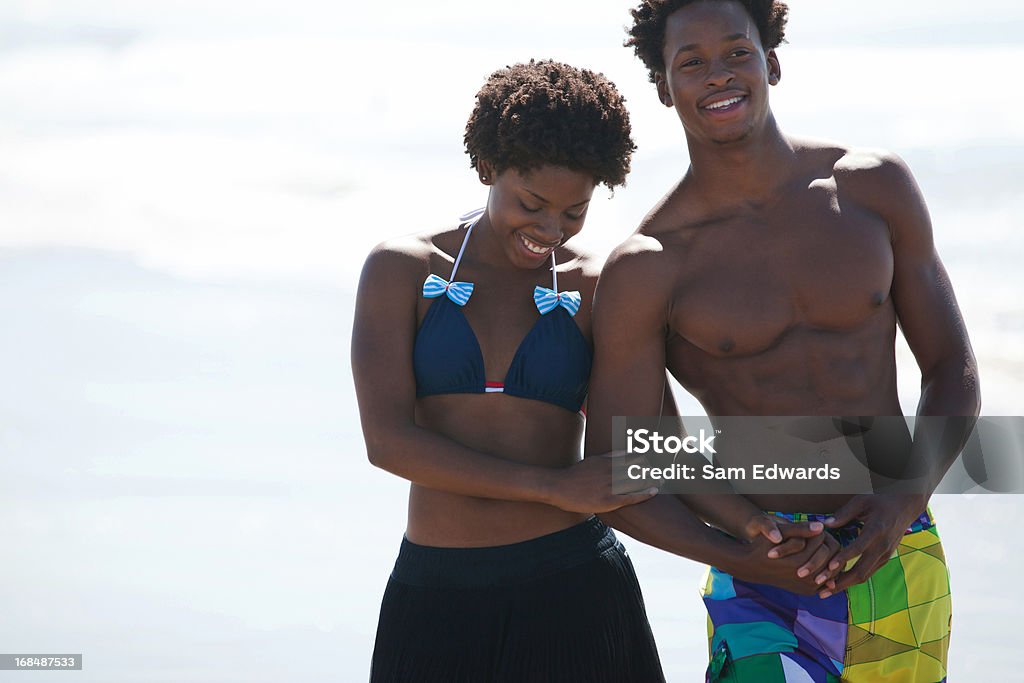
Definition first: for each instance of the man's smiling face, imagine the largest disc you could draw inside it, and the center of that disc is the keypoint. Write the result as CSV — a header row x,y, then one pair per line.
x,y
716,71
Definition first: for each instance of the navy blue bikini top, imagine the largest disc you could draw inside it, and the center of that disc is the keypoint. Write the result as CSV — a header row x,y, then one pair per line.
x,y
552,362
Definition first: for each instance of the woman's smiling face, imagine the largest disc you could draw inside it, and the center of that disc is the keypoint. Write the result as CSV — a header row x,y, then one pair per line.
x,y
533,212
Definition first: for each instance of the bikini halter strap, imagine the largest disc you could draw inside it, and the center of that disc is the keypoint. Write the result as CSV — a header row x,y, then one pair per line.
x,y
476,216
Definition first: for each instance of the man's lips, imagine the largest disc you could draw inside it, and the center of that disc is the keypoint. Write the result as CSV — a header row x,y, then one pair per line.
x,y
722,101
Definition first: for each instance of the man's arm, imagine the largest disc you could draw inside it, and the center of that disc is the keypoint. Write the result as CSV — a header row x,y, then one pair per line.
x,y
928,314
628,378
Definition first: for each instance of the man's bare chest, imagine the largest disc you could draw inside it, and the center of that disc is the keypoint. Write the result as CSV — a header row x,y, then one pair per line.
x,y
819,262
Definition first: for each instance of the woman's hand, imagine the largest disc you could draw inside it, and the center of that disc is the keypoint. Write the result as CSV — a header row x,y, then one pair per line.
x,y
592,485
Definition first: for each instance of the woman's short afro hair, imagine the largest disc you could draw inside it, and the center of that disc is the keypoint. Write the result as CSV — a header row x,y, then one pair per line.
x,y
647,35
548,113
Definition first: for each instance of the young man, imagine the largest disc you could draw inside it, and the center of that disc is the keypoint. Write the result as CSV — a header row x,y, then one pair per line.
x,y
769,281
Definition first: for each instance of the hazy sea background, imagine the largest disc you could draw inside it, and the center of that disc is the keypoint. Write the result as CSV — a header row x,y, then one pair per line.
x,y
187,192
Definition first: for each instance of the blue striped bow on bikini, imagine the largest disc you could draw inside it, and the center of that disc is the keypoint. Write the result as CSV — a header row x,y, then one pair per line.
x,y
458,292
548,299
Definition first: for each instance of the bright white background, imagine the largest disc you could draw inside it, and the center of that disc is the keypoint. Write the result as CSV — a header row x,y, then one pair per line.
x,y
187,192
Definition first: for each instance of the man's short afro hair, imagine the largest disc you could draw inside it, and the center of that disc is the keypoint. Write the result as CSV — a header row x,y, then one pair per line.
x,y
548,113
647,35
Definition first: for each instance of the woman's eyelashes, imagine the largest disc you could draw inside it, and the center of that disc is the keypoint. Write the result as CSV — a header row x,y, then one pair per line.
x,y
572,215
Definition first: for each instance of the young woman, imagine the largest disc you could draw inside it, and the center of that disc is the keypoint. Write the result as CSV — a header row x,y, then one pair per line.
x,y
471,353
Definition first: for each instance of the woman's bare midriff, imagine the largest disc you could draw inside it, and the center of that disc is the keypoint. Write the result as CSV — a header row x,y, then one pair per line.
x,y
521,430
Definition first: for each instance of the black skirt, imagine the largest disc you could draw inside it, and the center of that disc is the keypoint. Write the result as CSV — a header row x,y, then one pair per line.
x,y
563,608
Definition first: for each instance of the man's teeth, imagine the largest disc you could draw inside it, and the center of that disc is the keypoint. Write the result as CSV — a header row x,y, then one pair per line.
x,y
724,103
535,248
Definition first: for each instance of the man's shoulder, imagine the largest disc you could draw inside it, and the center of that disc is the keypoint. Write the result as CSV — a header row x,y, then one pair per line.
x,y
865,164
877,178
658,249
870,165
881,181
639,250
578,261
636,282
640,261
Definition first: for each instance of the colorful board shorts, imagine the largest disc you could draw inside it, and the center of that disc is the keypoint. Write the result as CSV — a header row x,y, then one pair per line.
x,y
894,627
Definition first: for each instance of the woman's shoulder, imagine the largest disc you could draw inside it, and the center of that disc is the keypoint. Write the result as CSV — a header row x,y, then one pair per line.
x,y
413,254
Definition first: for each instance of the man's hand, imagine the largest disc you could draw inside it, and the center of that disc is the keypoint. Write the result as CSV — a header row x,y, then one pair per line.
x,y
796,571
792,538
886,518
587,486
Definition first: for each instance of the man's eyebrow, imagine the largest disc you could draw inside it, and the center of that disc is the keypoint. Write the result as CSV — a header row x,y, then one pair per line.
x,y
728,39
547,202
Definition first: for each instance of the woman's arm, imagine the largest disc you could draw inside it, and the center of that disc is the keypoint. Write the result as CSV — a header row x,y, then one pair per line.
x,y
382,346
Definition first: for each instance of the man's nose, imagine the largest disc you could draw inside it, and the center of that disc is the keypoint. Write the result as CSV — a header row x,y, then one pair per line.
x,y
719,76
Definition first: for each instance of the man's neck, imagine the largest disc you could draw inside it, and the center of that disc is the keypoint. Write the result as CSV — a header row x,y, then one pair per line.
x,y
750,170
